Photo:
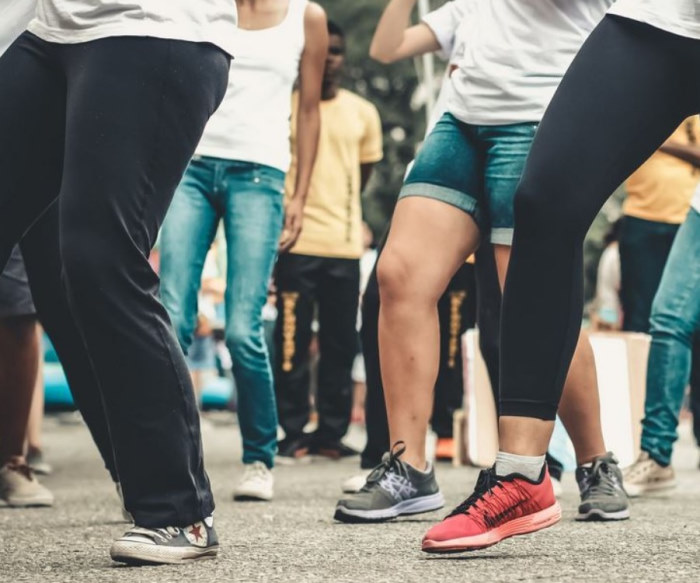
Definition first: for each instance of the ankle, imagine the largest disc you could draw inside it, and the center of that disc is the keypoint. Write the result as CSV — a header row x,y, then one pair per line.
x,y
417,462
589,458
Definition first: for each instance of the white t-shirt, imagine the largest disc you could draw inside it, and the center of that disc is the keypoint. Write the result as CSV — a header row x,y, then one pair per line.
x,y
252,123
514,54
14,17
696,200
680,17
445,24
75,21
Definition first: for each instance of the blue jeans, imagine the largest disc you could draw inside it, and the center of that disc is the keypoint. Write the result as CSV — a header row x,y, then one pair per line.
x,y
675,319
249,199
474,168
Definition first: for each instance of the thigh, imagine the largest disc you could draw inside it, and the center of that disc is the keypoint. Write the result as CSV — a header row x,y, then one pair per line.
x,y
253,217
624,94
187,233
677,302
449,168
338,299
507,148
32,122
136,109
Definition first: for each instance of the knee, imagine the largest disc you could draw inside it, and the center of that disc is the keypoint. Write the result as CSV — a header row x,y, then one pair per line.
x,y
244,338
87,264
393,275
668,322
541,208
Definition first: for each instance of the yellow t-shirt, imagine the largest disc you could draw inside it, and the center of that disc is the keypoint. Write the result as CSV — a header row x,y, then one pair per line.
x,y
351,134
662,188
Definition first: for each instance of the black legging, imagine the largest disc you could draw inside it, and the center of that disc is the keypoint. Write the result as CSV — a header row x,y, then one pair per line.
x,y
629,87
107,128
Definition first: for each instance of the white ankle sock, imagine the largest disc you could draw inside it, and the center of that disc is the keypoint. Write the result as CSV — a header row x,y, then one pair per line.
x,y
528,466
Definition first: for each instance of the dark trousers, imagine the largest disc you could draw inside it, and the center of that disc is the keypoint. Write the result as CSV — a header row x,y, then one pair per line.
x,y
330,286
641,94
462,290
695,388
644,249
107,128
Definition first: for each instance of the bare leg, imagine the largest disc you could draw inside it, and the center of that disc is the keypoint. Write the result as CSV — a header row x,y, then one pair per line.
x,y
36,413
19,352
428,242
579,408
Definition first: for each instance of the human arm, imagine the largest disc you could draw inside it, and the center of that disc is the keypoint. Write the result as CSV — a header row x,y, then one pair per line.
x,y
308,118
395,38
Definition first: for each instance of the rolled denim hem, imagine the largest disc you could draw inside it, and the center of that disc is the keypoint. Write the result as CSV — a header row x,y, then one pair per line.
x,y
460,200
502,236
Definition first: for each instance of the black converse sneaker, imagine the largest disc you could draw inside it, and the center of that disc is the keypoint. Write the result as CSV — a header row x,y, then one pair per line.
x,y
393,489
603,496
172,544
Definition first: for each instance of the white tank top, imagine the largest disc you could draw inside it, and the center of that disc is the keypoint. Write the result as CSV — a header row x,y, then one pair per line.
x,y
252,123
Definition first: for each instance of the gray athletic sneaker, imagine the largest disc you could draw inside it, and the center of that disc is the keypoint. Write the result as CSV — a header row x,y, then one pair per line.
x,y
603,496
393,489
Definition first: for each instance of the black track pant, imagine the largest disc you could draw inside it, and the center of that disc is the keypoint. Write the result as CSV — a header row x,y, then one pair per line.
x,y
628,89
107,128
330,285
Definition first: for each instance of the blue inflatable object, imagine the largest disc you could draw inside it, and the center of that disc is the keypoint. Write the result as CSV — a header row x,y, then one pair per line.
x,y
56,392
217,393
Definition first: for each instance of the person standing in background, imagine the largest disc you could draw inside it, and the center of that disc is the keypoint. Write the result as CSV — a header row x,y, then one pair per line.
x,y
658,199
110,101
322,270
237,176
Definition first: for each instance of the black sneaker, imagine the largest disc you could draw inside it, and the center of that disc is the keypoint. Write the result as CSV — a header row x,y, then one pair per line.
x,y
393,489
603,496
292,450
171,545
333,451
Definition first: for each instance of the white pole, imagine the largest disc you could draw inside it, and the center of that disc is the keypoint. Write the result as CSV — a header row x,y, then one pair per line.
x,y
428,80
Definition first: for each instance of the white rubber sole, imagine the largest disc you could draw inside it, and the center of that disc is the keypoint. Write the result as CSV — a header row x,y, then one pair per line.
x,y
133,553
403,508
597,514
252,496
29,502
635,491
525,525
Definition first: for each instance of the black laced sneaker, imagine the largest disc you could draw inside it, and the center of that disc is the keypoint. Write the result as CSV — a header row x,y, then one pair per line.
x,y
603,496
393,489
172,544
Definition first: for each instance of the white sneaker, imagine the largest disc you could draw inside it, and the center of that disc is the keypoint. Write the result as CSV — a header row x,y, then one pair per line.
x,y
355,483
257,483
19,487
647,475
557,487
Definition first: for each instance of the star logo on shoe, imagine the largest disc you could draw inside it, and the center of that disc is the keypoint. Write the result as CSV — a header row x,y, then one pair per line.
x,y
197,534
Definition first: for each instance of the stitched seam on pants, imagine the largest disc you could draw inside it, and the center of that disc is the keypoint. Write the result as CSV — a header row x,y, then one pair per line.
x,y
164,344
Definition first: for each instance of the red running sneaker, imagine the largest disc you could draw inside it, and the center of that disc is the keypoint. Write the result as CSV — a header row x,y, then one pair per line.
x,y
500,507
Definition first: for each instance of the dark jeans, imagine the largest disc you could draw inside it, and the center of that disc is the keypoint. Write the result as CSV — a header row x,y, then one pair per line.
x,y
305,283
593,135
449,387
111,124
644,249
